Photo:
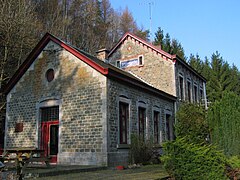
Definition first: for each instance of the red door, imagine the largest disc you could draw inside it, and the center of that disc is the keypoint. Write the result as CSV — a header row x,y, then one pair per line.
x,y
49,139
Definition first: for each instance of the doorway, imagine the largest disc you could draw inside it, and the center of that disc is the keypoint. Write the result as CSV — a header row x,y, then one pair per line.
x,y
50,132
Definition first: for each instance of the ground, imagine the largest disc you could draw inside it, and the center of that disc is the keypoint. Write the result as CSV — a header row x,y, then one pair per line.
x,y
143,173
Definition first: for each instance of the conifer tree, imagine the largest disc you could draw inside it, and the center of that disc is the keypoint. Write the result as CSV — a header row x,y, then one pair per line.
x,y
196,63
220,78
159,36
223,118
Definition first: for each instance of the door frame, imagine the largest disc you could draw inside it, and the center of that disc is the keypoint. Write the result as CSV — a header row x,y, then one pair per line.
x,y
44,103
45,139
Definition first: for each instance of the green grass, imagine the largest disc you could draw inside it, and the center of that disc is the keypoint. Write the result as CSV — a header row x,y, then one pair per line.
x,y
143,173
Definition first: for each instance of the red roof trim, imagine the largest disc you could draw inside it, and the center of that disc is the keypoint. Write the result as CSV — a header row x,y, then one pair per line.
x,y
140,40
80,56
37,50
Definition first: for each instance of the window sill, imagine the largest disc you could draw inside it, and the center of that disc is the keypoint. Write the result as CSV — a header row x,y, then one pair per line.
x,y
123,146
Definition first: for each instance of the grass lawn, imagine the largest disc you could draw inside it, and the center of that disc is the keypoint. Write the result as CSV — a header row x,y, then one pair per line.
x,y
145,172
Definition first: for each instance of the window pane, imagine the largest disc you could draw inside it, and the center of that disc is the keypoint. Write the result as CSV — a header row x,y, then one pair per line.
x,y
123,122
181,87
50,114
189,91
168,126
195,93
156,126
141,121
201,94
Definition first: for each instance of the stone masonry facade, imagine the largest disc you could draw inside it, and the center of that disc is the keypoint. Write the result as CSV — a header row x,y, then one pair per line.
x,y
195,81
157,69
117,92
78,90
161,71
89,100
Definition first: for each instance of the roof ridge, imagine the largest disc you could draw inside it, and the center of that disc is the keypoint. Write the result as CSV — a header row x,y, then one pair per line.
x,y
168,55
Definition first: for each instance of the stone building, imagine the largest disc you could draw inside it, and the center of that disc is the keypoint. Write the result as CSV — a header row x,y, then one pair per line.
x,y
163,71
83,110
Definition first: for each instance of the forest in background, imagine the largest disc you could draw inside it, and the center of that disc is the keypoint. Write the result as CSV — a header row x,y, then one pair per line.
x,y
91,25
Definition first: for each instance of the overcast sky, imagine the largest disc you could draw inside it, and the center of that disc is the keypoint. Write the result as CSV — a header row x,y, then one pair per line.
x,y
202,26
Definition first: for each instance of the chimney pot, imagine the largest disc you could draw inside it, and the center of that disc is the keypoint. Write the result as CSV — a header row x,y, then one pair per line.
x,y
102,54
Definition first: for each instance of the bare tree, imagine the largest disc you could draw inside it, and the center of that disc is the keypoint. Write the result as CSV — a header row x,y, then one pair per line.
x,y
128,23
17,35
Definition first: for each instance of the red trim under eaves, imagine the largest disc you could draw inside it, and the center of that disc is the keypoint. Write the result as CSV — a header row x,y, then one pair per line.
x,y
80,56
37,50
142,41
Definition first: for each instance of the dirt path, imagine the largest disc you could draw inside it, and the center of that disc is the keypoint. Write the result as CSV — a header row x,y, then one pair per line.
x,y
143,173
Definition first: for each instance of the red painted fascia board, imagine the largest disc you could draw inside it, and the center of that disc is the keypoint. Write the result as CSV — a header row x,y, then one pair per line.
x,y
80,56
36,51
142,41
151,46
26,64
118,43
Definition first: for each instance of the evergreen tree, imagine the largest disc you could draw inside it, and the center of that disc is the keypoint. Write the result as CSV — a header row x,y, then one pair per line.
x,y
159,37
167,43
196,63
176,48
144,34
223,118
206,69
235,82
171,46
220,78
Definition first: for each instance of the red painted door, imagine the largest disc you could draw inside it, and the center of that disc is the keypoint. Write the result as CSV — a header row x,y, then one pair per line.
x,y
49,139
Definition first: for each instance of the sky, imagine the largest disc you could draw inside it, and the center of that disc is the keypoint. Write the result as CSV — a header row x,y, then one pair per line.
x,y
201,26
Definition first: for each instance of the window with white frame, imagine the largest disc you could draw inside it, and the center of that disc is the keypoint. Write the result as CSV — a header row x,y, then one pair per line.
x,y
118,64
136,61
140,60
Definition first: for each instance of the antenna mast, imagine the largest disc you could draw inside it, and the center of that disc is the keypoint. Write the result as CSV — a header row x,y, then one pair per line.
x,y
150,4
150,17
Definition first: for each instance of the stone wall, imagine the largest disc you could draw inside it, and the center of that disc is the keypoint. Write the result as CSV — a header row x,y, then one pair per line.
x,y
194,79
80,92
118,154
157,69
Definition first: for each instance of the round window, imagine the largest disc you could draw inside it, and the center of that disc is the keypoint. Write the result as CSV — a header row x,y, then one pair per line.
x,y
50,75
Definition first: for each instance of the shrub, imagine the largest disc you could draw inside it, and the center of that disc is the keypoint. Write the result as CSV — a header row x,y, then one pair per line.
x,y
185,160
233,167
141,151
192,123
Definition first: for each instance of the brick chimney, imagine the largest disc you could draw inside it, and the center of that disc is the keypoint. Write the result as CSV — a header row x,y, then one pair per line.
x,y
102,54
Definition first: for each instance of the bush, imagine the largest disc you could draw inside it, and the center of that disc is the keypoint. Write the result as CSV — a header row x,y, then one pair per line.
x,y
141,151
192,123
185,160
233,167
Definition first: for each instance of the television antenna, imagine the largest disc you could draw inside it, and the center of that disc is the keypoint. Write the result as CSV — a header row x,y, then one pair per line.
x,y
150,4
